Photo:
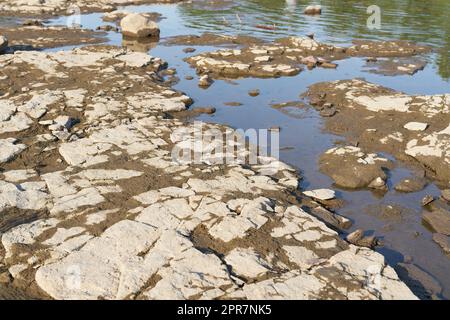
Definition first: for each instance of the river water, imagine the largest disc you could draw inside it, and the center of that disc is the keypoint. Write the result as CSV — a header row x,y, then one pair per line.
x,y
302,129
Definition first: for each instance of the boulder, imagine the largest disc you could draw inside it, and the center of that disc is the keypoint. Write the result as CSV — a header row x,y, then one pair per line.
x,y
138,26
314,9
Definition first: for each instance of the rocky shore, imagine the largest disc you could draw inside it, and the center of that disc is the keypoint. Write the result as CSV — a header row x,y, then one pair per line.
x,y
93,205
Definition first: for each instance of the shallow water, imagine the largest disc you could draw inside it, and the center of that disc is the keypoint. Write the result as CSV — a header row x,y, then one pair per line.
x,y
302,129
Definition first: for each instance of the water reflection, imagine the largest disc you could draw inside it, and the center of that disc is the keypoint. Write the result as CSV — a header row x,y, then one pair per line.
x,y
341,21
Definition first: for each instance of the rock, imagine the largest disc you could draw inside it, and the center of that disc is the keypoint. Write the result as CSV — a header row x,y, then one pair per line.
x,y
351,168
416,126
205,81
310,61
420,282
439,220
411,185
3,43
139,26
33,22
328,110
443,241
63,122
332,219
246,263
189,50
254,93
9,149
378,184
313,10
446,194
357,238
321,194
206,110
427,200
107,28
328,65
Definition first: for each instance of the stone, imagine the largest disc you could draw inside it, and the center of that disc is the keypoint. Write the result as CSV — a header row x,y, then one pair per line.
x,y
416,126
205,110
446,194
313,9
301,256
19,175
427,200
108,266
246,263
254,93
3,44
10,149
443,241
411,185
205,81
332,219
351,168
357,238
321,194
139,26
189,50
378,183
439,220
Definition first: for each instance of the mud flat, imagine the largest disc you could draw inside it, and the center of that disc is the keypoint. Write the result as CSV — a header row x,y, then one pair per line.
x,y
42,37
94,206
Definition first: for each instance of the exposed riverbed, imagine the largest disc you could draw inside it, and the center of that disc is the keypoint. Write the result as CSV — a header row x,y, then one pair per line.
x,y
304,137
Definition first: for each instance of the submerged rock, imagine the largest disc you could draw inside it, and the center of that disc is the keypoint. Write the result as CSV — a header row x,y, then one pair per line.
x,y
438,220
139,26
443,241
411,185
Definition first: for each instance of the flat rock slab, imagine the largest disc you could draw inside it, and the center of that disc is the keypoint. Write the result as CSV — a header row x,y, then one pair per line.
x,y
321,194
439,220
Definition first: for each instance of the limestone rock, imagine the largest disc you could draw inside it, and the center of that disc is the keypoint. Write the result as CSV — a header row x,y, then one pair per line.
x,y
10,149
416,126
138,26
321,194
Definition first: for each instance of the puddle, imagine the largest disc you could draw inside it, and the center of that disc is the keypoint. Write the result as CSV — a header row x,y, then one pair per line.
x,y
302,138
